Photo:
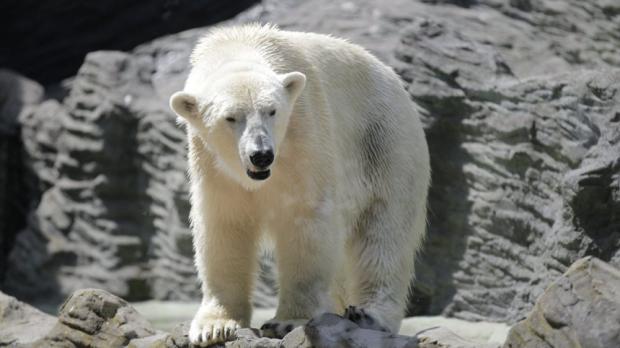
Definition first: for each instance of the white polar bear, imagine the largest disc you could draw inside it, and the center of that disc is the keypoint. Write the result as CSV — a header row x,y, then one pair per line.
x,y
313,142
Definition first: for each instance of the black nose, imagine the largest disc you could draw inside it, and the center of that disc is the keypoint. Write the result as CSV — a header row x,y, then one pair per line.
x,y
262,159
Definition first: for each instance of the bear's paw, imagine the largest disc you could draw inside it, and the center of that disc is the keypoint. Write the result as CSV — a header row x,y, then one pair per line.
x,y
205,331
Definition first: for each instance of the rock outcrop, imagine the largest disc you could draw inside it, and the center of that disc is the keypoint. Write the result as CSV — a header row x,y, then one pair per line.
x,y
113,172
17,95
21,324
520,102
98,319
580,309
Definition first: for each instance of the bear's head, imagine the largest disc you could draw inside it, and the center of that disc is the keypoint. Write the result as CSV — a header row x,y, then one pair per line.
x,y
241,114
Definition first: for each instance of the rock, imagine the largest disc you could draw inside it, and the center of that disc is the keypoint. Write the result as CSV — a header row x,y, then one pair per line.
x,y
441,337
333,331
505,182
444,329
21,324
17,94
165,315
251,338
117,176
55,47
153,341
96,318
296,338
525,165
580,309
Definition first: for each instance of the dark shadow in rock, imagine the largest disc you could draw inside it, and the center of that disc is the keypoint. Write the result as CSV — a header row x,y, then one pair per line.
x,y
13,200
449,206
595,202
445,70
49,42
17,184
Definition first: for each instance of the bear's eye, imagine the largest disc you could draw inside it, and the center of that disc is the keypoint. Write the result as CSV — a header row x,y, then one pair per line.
x,y
272,112
231,119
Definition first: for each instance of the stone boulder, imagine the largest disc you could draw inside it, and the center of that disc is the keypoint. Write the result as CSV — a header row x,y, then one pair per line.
x,y
96,318
580,309
520,105
21,324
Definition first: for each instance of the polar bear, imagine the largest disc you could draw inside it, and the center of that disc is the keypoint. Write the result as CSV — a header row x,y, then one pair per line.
x,y
313,142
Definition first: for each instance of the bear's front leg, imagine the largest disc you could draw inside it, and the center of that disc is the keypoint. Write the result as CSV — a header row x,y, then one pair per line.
x,y
307,253
226,261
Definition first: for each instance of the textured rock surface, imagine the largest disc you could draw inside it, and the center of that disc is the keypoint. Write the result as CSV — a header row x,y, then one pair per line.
x,y
17,95
580,309
332,331
441,337
525,178
49,41
96,318
525,166
112,163
21,323
166,315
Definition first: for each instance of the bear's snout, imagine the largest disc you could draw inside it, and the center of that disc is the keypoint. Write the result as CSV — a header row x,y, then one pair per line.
x,y
262,159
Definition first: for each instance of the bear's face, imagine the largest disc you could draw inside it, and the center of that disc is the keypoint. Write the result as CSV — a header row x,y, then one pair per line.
x,y
242,117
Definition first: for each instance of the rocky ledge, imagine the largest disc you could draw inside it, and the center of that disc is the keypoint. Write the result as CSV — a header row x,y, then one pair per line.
x,y
520,102
580,309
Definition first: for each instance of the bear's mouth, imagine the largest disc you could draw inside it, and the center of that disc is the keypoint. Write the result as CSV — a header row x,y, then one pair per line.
x,y
262,175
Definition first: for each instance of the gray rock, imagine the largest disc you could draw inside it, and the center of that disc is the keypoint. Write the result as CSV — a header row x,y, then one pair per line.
x,y
441,337
508,165
21,324
580,309
96,318
333,331
251,338
115,170
177,338
153,341
17,95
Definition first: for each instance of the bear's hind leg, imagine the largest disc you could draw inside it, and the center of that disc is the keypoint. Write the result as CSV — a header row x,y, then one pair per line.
x,y
383,249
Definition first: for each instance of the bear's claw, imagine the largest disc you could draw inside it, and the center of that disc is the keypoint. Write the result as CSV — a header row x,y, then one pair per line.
x,y
363,319
279,328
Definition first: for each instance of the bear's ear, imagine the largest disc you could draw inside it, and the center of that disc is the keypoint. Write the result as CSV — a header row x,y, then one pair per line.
x,y
184,105
294,82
